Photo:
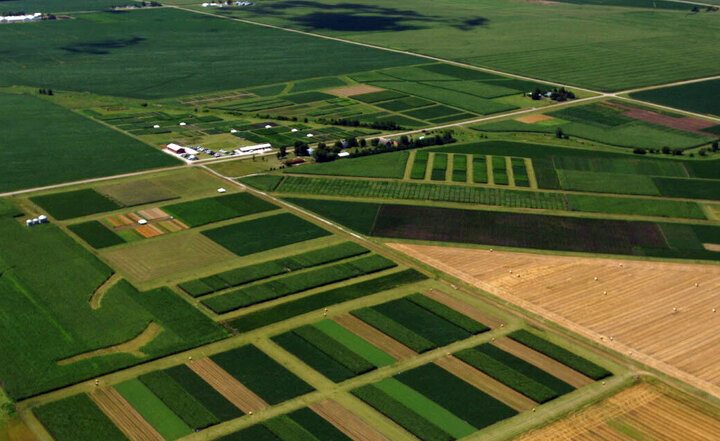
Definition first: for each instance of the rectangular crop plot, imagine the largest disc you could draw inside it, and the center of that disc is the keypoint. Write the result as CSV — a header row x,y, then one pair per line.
x,y
201,391
295,283
96,234
205,211
607,182
376,97
323,299
433,112
76,203
264,234
77,418
419,166
252,273
138,192
266,377
480,174
169,425
693,97
78,148
459,170
386,165
520,173
439,167
499,169
407,103
419,322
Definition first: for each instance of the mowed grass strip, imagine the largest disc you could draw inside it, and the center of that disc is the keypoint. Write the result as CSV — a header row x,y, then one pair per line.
x,y
169,425
457,396
205,211
72,204
77,418
96,234
260,373
323,299
270,232
295,283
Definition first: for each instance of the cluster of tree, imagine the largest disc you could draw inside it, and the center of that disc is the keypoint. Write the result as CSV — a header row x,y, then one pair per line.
x,y
277,117
46,92
378,125
556,94
559,134
325,153
696,9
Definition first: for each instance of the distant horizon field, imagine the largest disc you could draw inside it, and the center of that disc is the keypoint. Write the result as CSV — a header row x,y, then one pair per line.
x,y
700,97
169,50
51,6
49,144
609,49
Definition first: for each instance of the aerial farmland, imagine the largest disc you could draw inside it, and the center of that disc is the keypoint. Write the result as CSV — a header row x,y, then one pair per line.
x,y
383,221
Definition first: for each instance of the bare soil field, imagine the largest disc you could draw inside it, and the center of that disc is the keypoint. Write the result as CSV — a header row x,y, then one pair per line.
x,y
486,383
532,119
659,313
640,412
353,90
125,417
386,343
559,370
464,308
346,421
235,392
688,124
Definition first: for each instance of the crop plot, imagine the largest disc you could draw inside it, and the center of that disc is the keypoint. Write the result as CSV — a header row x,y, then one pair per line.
x,y
653,309
296,283
386,165
333,350
205,211
612,123
76,203
439,167
419,322
644,410
270,232
138,192
692,97
252,273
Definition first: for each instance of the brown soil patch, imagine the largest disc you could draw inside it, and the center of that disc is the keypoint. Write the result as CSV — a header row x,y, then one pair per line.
x,y
346,421
712,246
153,214
642,410
148,231
636,316
131,347
124,220
229,387
486,383
125,417
464,308
16,430
552,367
134,217
97,296
353,90
532,119
688,124
113,222
383,341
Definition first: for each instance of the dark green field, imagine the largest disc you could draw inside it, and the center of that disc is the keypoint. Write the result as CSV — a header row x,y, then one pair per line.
x,y
55,6
49,145
702,97
169,51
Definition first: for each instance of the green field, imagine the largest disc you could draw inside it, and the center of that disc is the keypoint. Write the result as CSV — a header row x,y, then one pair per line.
x,y
50,144
702,97
77,418
55,6
48,316
205,211
169,49
631,48
387,165
270,232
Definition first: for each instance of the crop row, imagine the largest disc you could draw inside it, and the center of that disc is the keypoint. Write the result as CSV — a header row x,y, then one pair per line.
x,y
323,299
296,283
423,192
439,167
252,273
420,165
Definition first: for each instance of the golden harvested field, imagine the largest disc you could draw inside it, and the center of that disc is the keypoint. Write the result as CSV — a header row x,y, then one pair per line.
x,y
641,412
651,311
